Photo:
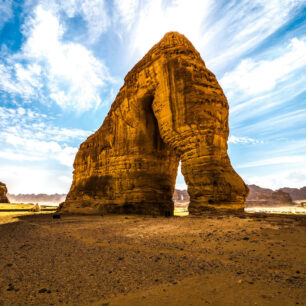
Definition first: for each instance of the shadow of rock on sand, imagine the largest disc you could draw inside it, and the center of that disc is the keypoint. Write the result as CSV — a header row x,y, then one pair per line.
x,y
139,260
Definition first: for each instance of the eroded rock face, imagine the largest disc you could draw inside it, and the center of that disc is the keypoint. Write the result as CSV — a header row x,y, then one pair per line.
x,y
3,192
170,108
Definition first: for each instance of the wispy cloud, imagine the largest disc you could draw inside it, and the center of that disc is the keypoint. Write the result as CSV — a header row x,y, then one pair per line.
x,y
126,12
66,72
93,12
240,26
26,135
291,159
36,155
235,139
251,78
275,124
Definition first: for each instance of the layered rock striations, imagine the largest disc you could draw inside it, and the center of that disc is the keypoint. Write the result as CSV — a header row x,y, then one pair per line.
x,y
170,109
3,192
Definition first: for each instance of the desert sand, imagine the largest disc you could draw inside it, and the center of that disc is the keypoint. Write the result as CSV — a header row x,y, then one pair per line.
x,y
140,260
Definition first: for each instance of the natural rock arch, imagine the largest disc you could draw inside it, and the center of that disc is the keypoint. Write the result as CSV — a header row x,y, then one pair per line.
x,y
170,108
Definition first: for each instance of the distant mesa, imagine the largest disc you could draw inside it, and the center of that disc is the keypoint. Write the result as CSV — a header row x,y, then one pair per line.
x,y
170,109
258,196
263,196
180,196
36,198
3,192
295,193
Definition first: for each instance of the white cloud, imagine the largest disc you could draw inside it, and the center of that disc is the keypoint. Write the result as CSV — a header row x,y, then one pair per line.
x,y
36,156
293,178
126,12
19,80
221,34
94,13
290,159
25,122
243,26
31,179
66,155
74,78
25,148
155,18
235,139
9,154
251,78
27,136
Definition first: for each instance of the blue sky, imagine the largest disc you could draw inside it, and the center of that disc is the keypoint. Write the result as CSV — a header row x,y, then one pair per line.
x,y
63,62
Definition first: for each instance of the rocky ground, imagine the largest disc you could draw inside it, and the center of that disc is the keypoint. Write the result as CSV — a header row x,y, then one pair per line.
x,y
137,260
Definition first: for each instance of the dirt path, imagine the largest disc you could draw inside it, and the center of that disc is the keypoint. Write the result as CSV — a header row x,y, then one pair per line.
x,y
136,260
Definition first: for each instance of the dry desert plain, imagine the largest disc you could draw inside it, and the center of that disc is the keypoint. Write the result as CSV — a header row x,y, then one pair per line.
x,y
246,259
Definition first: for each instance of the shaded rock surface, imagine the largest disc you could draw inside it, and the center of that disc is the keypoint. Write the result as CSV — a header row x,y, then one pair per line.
x,y
3,192
170,109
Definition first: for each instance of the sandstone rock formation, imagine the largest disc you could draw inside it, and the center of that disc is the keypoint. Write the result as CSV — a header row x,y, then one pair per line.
x,y
170,109
3,191
36,208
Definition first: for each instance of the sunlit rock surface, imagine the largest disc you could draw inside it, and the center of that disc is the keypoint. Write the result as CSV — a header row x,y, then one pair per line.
x,y
170,109
3,192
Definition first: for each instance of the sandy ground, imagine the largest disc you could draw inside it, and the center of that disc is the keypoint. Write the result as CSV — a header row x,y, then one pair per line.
x,y
137,260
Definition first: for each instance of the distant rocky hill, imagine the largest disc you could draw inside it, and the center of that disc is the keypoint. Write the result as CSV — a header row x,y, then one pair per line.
x,y
181,195
37,198
283,195
259,196
3,195
296,193
263,196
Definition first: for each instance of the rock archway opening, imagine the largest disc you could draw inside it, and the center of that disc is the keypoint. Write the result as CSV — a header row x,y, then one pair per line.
x,y
181,197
